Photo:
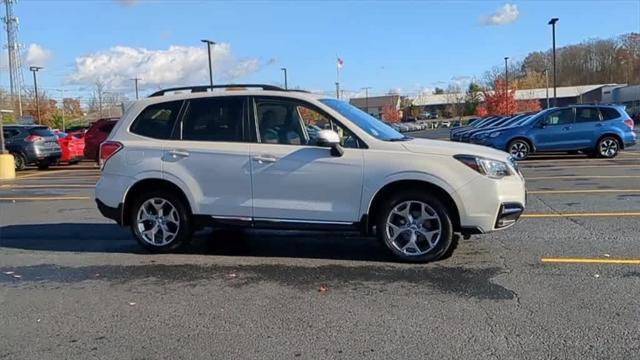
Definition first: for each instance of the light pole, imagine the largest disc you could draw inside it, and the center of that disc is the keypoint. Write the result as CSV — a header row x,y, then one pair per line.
x,y
209,43
35,69
546,76
62,97
366,98
553,22
135,81
285,77
506,84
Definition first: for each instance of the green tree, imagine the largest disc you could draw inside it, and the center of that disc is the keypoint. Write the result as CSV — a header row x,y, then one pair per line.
x,y
473,98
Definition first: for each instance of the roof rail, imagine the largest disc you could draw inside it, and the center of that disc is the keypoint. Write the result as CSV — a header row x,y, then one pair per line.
x,y
204,88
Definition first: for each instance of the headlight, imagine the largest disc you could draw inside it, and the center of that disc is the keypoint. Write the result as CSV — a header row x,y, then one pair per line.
x,y
492,168
495,134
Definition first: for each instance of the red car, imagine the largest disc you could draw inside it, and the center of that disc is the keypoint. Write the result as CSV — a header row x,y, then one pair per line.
x,y
96,135
72,147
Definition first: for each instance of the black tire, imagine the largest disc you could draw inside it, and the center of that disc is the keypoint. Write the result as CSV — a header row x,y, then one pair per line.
x,y
184,230
43,165
443,246
519,149
20,162
608,147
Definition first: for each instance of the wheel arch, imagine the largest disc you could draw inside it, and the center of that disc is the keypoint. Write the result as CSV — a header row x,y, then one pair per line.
x,y
532,146
391,188
148,184
614,135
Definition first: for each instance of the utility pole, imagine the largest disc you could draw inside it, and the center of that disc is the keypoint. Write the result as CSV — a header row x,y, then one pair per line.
x,y
338,90
35,69
553,22
209,43
506,84
366,98
13,51
62,97
135,81
285,77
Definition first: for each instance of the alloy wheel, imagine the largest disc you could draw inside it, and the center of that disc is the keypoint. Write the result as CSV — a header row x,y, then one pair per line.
x,y
413,228
519,150
158,221
608,147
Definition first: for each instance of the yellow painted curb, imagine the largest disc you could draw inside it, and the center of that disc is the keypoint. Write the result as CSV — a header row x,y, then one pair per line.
x,y
591,261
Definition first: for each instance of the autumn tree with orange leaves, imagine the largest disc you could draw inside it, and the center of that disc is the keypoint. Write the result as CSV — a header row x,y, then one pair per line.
x,y
391,114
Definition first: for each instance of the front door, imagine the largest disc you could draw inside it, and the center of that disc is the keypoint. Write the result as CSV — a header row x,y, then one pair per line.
x,y
295,180
554,135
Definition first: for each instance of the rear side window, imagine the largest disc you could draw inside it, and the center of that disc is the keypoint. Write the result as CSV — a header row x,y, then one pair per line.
x,y
587,114
156,121
9,133
214,119
609,113
41,131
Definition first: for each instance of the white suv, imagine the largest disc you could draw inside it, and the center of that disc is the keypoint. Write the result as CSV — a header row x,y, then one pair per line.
x,y
263,157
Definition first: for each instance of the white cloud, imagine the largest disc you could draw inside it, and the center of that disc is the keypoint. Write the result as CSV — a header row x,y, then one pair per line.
x,y
37,55
177,65
505,15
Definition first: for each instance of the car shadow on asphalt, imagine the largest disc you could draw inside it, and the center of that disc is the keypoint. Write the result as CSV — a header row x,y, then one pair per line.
x,y
110,238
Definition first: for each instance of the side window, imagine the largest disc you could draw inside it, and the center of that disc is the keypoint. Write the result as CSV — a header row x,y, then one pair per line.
x,y
294,123
106,128
587,114
214,119
609,113
157,120
9,133
560,117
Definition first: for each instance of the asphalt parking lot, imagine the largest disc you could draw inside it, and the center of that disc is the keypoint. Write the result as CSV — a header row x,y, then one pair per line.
x,y
75,286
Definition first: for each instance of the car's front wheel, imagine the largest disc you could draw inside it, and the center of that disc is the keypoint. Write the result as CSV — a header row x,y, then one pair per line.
x,y
608,147
519,149
416,227
160,221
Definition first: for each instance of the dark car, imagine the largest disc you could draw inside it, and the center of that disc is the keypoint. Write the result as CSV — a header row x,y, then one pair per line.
x,y
96,135
32,144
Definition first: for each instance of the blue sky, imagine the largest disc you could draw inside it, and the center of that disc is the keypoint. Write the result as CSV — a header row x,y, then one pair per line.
x,y
385,44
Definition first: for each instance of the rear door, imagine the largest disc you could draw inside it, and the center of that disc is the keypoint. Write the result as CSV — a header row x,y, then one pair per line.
x,y
209,154
586,128
555,134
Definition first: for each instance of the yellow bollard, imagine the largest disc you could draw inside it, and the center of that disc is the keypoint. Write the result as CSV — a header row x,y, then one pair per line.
x,y
7,167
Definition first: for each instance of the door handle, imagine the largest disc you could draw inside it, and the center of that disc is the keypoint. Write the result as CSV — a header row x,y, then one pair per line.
x,y
566,128
179,153
263,159
599,125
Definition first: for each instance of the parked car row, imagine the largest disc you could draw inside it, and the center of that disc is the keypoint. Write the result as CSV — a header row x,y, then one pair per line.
x,y
598,130
407,126
42,146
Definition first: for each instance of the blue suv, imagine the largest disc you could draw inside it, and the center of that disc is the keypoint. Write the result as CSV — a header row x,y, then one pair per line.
x,y
601,130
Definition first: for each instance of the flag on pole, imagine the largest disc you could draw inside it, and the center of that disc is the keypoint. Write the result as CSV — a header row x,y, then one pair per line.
x,y
340,63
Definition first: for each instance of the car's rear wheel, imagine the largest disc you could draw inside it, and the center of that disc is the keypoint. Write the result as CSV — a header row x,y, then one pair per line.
x,y
519,149
416,227
160,221
20,162
608,147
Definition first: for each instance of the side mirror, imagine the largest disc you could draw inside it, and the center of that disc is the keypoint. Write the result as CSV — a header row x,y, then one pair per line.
x,y
330,139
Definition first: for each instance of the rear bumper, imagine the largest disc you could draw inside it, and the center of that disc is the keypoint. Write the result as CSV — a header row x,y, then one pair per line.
x,y
113,213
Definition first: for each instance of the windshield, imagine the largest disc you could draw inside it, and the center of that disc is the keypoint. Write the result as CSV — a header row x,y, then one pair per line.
x,y
364,121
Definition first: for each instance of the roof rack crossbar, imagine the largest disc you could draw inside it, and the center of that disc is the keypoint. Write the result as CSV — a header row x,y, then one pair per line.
x,y
204,88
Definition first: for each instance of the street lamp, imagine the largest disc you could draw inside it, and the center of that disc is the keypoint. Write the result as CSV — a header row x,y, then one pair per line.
x,y
209,43
553,22
35,69
285,77
506,84
135,81
366,98
546,76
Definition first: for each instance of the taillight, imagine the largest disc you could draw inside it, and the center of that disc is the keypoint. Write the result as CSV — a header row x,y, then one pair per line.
x,y
107,150
33,138
629,123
